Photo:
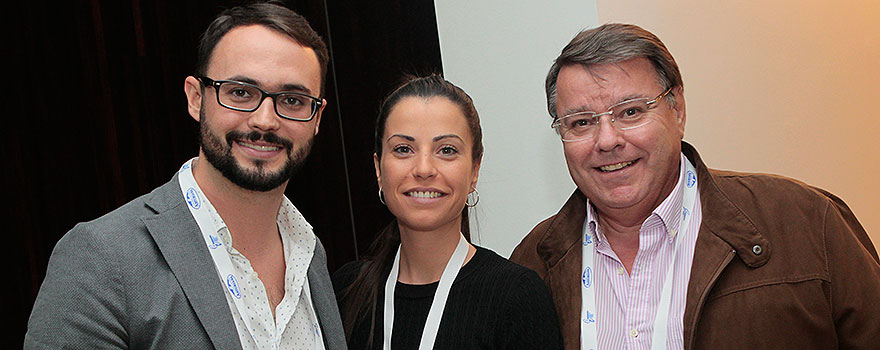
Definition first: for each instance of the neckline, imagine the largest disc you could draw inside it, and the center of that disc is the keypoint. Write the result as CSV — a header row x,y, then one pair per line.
x,y
418,291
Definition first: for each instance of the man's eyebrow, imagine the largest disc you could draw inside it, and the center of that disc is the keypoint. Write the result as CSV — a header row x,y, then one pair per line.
x,y
296,88
574,110
632,96
286,87
580,109
245,79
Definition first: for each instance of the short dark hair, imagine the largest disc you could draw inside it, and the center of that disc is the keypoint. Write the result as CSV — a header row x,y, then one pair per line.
x,y
270,15
610,43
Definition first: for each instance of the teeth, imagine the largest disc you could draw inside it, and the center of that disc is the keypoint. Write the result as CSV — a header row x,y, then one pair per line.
x,y
424,194
614,167
259,147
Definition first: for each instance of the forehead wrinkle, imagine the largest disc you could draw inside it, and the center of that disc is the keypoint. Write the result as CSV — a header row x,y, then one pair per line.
x,y
600,81
617,64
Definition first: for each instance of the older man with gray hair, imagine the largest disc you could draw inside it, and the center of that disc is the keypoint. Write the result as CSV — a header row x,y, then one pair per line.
x,y
654,250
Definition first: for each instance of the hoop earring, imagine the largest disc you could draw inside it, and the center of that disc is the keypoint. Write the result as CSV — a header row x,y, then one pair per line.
x,y
381,197
476,196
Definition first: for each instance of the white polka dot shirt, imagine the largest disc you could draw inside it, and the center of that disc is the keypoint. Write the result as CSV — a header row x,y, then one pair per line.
x,y
292,327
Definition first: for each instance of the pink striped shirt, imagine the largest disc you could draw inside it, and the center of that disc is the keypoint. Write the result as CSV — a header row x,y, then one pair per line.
x,y
628,302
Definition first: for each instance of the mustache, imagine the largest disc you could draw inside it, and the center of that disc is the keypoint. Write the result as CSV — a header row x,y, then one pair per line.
x,y
254,135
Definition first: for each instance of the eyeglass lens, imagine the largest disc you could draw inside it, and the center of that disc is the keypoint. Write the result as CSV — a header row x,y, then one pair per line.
x,y
625,116
246,97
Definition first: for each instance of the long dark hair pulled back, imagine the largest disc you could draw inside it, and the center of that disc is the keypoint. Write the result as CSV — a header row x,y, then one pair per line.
x,y
361,297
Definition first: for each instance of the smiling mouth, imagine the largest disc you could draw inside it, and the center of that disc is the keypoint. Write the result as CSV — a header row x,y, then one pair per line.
x,y
424,194
615,167
262,148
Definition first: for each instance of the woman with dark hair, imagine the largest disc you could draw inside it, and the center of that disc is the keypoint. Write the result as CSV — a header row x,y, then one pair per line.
x,y
425,286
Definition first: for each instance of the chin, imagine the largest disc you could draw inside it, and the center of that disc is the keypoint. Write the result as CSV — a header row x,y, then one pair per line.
x,y
616,199
425,223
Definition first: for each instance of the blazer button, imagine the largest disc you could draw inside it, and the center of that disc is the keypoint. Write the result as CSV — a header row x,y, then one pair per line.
x,y
757,249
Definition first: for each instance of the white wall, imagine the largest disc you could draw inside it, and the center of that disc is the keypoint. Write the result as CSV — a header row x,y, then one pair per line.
x,y
499,53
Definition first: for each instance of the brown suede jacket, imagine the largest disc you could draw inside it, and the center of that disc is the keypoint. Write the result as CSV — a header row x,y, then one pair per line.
x,y
778,264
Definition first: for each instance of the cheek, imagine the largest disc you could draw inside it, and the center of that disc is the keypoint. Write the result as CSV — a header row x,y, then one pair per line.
x,y
659,140
220,120
575,153
298,133
392,173
463,175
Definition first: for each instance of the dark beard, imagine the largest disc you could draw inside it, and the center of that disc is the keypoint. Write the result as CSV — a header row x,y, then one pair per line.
x,y
220,156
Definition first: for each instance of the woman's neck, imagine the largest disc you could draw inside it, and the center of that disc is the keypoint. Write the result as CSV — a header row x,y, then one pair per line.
x,y
424,254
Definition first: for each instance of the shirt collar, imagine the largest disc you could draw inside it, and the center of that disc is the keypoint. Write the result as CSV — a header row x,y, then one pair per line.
x,y
296,233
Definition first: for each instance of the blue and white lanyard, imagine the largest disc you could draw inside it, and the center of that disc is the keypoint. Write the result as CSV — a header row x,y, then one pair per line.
x,y
589,333
200,208
432,324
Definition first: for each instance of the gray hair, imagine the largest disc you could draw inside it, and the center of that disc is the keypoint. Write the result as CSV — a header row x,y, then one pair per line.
x,y
610,43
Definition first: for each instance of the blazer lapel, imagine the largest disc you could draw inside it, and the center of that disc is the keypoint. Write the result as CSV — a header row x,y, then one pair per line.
x,y
180,242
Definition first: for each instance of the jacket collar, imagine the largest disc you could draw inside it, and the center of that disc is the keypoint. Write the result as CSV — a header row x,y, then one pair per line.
x,y
725,230
726,221
564,232
180,242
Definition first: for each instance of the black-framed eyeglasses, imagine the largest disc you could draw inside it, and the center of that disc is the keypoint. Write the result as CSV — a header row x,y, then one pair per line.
x,y
244,97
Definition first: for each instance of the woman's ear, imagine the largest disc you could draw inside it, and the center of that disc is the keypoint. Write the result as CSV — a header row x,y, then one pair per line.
x,y
476,171
378,170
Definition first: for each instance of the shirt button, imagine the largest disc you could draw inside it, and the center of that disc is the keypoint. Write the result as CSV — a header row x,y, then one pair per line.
x,y
620,270
634,333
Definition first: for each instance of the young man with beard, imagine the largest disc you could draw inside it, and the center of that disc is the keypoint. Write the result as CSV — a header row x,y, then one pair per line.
x,y
217,257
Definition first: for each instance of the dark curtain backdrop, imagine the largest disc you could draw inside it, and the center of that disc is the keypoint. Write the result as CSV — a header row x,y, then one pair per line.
x,y
97,117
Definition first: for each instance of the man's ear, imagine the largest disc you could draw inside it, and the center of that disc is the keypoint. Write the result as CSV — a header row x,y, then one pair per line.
x,y
680,109
319,113
193,90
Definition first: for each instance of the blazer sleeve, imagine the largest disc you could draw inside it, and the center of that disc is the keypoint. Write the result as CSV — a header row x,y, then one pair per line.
x,y
81,303
855,279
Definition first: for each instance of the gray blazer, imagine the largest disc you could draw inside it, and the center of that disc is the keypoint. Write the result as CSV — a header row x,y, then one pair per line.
x,y
140,277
